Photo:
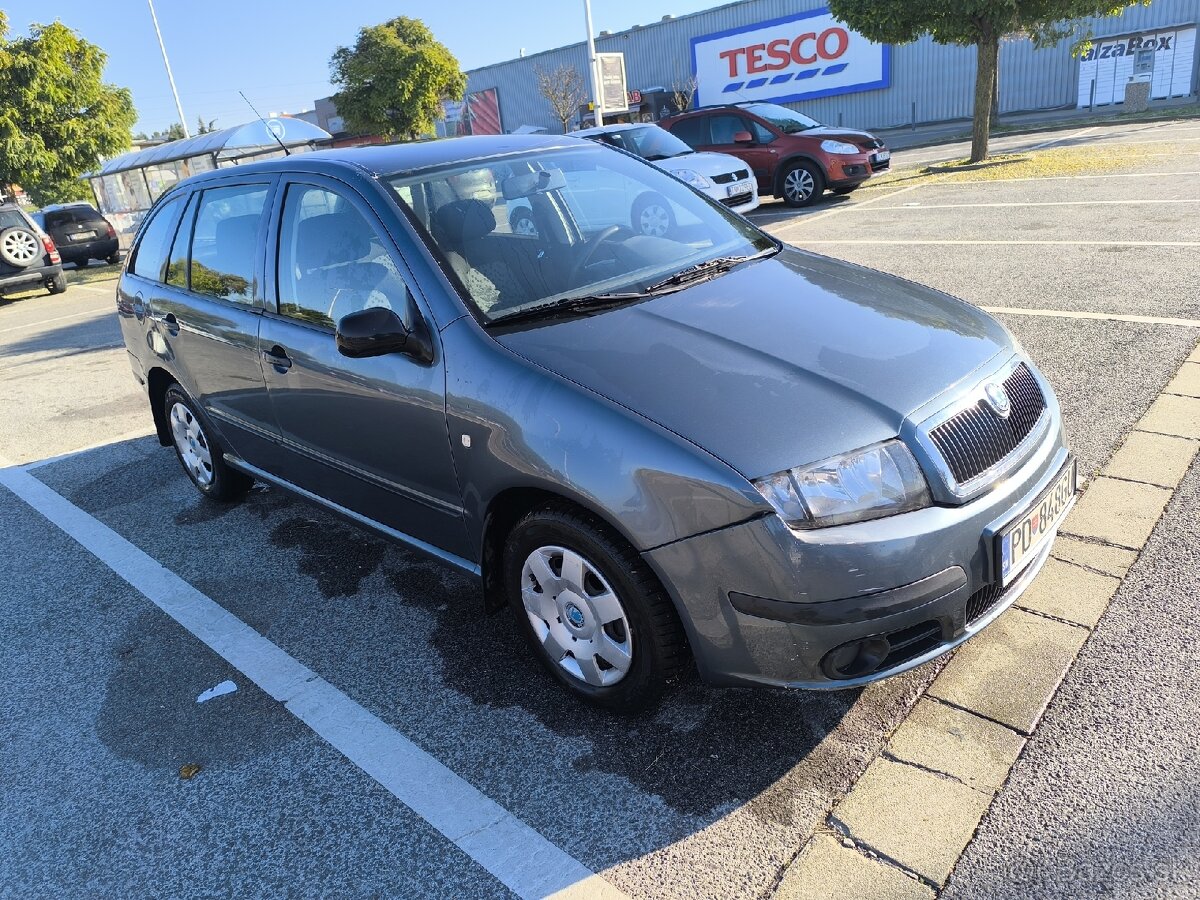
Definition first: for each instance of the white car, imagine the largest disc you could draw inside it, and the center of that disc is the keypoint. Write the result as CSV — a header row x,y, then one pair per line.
x,y
723,177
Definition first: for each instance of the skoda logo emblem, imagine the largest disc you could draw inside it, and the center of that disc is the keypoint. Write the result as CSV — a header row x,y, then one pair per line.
x,y
574,616
997,400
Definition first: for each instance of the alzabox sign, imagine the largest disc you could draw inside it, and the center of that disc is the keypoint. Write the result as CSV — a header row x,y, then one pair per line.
x,y
797,58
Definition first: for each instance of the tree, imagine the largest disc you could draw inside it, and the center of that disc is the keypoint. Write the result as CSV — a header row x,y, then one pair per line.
x,y
564,91
394,79
977,23
203,127
683,91
58,118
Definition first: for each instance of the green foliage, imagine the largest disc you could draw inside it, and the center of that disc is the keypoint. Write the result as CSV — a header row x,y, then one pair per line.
x,y
58,118
394,79
978,23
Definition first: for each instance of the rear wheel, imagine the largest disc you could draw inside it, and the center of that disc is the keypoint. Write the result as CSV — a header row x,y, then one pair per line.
x,y
114,259
199,454
521,222
652,216
802,184
57,284
592,610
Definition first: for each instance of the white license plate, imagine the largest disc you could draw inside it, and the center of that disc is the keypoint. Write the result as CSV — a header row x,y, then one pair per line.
x,y
882,156
1019,544
81,236
742,187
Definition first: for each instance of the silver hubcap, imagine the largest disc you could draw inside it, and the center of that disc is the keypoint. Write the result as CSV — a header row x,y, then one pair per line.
x,y
576,615
655,220
191,444
21,247
798,184
525,225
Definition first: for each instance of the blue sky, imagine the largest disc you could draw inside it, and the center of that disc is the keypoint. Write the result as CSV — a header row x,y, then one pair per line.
x,y
278,52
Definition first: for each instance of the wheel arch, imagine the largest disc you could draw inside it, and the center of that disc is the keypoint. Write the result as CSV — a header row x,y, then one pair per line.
x,y
158,380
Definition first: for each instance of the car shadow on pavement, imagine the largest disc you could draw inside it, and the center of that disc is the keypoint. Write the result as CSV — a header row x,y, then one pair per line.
x,y
83,335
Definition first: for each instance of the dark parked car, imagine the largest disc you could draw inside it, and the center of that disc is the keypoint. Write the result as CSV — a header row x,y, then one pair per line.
x,y
793,156
27,254
80,233
707,446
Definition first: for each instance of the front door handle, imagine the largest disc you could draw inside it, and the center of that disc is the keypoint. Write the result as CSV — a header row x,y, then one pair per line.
x,y
278,358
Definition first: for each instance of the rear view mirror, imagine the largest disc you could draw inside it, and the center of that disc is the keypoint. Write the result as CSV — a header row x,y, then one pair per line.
x,y
530,183
378,330
743,137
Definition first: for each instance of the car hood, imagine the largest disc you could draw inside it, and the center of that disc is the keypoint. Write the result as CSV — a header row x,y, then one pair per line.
x,y
707,164
777,363
830,133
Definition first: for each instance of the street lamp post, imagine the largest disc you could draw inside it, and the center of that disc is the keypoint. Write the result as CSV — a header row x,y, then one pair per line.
x,y
587,12
170,77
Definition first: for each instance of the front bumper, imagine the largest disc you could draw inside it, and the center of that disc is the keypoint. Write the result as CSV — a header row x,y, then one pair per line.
x,y
922,579
848,170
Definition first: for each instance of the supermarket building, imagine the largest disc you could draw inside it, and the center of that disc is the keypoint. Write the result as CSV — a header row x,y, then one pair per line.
x,y
794,52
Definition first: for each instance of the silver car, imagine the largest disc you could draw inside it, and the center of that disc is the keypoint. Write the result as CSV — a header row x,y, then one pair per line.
x,y
702,449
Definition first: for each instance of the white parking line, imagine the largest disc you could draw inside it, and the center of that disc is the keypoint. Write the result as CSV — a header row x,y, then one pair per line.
x,y
78,315
519,857
1104,317
807,220
110,291
1013,243
920,206
1068,137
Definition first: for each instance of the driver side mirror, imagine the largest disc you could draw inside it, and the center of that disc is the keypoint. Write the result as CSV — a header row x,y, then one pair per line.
x,y
378,331
743,137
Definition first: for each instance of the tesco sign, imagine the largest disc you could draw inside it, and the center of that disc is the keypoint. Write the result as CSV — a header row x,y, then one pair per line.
x,y
796,58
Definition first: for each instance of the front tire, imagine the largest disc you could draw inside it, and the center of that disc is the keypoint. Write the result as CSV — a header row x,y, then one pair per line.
x,y
802,184
592,610
198,452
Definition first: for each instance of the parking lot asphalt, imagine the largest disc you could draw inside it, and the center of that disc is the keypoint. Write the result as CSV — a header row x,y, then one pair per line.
x,y
711,796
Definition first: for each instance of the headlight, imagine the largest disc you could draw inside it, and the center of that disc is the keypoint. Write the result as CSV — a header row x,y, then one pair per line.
x,y
880,480
840,147
695,179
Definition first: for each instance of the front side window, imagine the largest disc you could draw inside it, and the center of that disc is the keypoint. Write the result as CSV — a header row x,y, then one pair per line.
x,y
332,261
150,256
585,221
225,242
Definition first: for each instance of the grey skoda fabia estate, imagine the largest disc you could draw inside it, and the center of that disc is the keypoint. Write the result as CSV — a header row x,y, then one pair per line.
x,y
696,448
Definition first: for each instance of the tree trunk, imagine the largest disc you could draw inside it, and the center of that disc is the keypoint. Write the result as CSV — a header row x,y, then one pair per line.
x,y
987,52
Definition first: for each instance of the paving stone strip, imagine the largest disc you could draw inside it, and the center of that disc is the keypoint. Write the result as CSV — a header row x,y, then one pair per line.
x,y
899,832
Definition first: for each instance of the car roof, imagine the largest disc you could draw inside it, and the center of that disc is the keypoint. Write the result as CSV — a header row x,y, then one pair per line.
x,y
394,159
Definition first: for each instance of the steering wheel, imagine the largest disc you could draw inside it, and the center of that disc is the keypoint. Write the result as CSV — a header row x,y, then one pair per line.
x,y
590,249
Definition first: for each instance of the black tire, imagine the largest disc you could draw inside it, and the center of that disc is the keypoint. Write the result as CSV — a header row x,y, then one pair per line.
x,y
113,260
652,216
223,484
843,191
57,284
656,637
796,189
522,222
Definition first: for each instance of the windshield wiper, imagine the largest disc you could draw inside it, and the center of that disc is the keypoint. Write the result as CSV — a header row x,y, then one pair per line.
x,y
590,303
708,269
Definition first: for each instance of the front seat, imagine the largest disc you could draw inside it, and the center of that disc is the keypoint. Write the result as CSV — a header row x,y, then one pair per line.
x,y
458,228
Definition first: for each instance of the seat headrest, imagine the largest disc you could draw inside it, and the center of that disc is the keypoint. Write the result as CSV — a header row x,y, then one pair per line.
x,y
330,239
233,240
463,220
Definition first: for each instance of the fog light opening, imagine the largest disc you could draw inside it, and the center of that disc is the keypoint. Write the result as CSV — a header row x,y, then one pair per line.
x,y
856,658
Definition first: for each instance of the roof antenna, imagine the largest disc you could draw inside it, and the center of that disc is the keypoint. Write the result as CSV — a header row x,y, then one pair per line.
x,y
282,146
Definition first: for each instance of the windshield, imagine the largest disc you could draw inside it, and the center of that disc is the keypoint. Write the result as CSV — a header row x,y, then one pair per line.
x,y
523,230
786,120
649,142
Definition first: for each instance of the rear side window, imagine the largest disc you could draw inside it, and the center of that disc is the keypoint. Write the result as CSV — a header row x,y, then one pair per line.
x,y
225,242
10,218
693,132
150,255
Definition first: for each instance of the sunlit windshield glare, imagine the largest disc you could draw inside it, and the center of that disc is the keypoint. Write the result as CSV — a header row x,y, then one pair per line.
x,y
786,120
522,230
649,142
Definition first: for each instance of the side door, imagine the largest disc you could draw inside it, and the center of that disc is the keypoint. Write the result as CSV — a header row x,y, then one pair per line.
x,y
205,316
756,154
368,434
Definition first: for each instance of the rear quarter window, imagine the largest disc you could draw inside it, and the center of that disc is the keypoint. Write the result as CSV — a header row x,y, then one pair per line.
x,y
150,255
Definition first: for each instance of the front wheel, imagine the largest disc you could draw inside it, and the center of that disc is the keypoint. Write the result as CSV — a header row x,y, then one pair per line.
x,y
592,610
651,215
199,454
802,184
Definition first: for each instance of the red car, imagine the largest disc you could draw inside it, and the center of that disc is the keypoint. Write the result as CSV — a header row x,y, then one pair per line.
x,y
792,156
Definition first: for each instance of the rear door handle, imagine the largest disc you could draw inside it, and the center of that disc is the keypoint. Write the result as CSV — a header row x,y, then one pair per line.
x,y
278,358
171,323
